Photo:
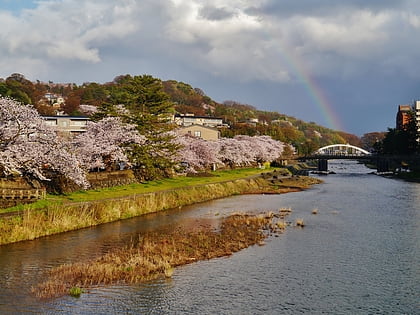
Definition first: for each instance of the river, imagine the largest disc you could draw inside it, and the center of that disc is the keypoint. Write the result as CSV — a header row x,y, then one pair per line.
x,y
359,255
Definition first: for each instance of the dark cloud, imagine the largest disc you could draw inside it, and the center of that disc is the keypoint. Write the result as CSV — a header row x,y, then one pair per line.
x,y
215,14
362,54
321,7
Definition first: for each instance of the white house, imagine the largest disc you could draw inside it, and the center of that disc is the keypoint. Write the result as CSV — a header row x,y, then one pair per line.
x,y
190,119
69,124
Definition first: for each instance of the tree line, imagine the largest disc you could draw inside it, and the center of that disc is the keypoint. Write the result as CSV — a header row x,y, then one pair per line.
x,y
127,133
304,136
403,141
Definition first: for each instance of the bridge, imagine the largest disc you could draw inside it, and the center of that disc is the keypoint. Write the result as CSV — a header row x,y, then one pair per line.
x,y
342,151
384,163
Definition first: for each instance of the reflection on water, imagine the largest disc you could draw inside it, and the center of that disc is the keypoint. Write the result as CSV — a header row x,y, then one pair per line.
x,y
360,254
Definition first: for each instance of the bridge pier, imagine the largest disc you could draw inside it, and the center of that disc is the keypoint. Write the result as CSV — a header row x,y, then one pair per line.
x,y
323,165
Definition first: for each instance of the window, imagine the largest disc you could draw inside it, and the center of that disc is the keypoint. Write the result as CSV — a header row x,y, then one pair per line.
x,y
78,122
197,134
51,122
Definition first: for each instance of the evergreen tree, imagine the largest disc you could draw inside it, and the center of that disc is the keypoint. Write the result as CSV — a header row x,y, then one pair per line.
x,y
148,107
402,141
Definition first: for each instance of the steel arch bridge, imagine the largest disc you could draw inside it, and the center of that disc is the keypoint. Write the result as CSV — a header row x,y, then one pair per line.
x,y
341,151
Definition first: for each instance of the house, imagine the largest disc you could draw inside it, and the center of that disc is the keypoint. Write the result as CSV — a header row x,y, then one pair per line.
x,y
199,131
67,124
190,119
52,99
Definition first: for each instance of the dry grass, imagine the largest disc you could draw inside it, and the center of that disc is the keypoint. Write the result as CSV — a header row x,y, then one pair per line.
x,y
284,212
61,218
58,218
157,254
300,222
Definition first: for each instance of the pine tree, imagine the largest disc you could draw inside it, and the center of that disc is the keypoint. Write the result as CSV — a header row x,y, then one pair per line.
x,y
148,107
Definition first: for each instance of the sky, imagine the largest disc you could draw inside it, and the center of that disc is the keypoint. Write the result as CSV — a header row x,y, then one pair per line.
x,y
346,65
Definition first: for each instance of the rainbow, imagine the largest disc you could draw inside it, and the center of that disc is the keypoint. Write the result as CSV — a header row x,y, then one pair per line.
x,y
313,89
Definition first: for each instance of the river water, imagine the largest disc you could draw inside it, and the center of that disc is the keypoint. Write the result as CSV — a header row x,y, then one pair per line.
x,y
359,255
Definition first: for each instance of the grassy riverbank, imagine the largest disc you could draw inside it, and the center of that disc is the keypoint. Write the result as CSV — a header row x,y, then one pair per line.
x,y
156,254
138,188
85,209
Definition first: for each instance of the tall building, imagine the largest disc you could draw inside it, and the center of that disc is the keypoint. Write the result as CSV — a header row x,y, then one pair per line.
x,y
403,116
416,108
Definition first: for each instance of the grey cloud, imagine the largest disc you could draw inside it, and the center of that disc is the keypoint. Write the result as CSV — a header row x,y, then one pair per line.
x,y
255,55
322,7
215,14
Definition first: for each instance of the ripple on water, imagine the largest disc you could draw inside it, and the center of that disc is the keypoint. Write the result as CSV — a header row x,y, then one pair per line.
x,y
359,255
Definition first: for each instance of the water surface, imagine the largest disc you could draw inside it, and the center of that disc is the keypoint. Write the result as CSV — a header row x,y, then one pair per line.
x,y
359,255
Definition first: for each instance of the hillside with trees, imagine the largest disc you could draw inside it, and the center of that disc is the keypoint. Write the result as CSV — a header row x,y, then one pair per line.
x,y
243,119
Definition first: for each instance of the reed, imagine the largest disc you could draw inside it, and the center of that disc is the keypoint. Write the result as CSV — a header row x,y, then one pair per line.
x,y
284,212
300,222
281,225
157,254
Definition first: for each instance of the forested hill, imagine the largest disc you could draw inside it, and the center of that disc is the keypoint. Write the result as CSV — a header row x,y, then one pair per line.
x,y
242,118
248,120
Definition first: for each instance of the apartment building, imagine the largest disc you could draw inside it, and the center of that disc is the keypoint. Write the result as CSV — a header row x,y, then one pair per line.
x,y
403,116
416,108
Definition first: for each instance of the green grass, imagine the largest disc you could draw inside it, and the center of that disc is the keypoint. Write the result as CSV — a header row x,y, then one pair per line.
x,y
132,189
75,291
162,184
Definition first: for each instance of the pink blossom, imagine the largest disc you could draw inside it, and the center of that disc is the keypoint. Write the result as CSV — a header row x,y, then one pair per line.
x,y
240,151
105,143
31,148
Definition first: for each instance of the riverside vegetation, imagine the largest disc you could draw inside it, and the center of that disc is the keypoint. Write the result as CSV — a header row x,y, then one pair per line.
x,y
156,254
89,208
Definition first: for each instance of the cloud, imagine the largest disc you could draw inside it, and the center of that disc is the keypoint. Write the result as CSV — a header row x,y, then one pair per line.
x,y
323,8
65,30
265,43
215,14
232,40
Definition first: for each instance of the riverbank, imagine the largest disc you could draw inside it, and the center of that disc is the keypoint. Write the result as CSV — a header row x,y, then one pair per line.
x,y
409,176
62,217
156,254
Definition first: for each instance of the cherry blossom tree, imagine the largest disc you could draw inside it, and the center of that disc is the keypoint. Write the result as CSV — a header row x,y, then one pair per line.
x,y
88,109
264,148
106,143
30,148
199,154
232,152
